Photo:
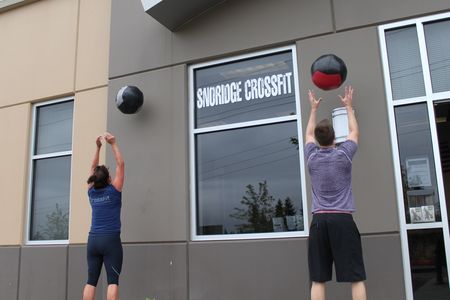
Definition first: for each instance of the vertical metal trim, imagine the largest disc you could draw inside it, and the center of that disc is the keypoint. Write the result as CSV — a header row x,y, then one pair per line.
x,y
18,272
333,16
397,167
300,141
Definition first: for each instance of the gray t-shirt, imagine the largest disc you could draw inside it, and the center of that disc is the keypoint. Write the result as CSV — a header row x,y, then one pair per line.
x,y
330,170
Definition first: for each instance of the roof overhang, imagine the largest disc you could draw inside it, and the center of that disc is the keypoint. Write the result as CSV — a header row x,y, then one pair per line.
x,y
174,13
10,4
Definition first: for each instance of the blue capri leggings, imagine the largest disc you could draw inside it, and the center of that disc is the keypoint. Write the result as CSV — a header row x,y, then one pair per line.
x,y
107,249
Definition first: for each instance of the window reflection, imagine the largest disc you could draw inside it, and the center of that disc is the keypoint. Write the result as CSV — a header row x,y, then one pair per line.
x,y
248,180
54,128
428,264
437,35
417,164
50,202
405,66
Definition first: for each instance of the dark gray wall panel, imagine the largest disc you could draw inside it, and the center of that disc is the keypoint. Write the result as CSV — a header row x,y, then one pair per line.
x,y
154,145
278,269
154,271
373,175
354,13
237,25
77,274
383,261
138,42
9,272
249,270
43,273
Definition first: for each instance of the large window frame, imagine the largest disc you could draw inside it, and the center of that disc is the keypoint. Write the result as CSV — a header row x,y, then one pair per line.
x,y
429,99
246,124
33,158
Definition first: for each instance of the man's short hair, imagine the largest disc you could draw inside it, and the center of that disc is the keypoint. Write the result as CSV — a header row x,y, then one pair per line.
x,y
324,133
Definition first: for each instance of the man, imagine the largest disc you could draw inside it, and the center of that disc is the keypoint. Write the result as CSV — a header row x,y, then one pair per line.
x,y
334,236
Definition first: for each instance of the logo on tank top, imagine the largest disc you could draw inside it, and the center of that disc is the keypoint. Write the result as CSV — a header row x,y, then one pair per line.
x,y
101,200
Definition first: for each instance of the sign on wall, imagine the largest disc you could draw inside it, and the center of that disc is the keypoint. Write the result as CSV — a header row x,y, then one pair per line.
x,y
244,90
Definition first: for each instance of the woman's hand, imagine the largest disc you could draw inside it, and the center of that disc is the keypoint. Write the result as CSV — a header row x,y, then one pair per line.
x,y
98,141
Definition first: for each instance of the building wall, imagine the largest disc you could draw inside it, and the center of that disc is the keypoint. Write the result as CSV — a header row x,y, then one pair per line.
x,y
89,49
277,268
50,49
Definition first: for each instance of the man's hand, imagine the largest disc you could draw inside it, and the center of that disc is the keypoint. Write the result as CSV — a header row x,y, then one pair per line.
x,y
312,100
348,97
109,138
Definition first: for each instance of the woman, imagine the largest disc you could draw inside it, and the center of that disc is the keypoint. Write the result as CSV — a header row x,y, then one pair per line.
x,y
104,244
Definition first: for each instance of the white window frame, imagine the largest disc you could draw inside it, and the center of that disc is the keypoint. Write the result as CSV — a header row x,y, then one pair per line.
x,y
31,170
430,98
277,120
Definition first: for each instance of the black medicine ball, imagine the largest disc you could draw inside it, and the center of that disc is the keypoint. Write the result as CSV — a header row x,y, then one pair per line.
x,y
328,72
129,99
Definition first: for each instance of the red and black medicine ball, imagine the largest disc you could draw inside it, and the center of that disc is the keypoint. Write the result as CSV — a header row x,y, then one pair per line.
x,y
328,72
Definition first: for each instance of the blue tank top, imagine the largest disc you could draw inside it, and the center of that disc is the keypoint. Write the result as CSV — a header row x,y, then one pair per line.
x,y
106,204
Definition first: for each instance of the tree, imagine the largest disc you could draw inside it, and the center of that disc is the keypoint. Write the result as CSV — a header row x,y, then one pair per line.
x,y
257,209
289,208
57,225
279,209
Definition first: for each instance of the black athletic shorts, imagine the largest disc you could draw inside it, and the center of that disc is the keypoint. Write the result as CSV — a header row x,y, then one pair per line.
x,y
334,237
104,249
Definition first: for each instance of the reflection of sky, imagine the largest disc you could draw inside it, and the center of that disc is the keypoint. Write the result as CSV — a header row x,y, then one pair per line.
x,y
51,186
404,63
54,128
230,160
281,105
437,35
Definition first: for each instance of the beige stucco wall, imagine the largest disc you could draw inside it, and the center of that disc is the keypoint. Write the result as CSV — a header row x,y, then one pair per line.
x,y
51,49
93,44
89,122
14,156
37,53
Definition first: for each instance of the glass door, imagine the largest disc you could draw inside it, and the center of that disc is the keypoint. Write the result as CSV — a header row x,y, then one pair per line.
x,y
416,61
423,203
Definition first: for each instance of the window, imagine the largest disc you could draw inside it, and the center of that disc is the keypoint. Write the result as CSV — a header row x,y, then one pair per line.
x,y
50,172
404,63
420,192
437,35
247,173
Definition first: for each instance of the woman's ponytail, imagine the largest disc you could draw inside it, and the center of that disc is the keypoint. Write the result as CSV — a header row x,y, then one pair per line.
x,y
100,178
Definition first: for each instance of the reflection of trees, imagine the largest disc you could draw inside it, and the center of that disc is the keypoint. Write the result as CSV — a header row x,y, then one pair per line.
x,y
257,209
284,209
56,227
294,141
